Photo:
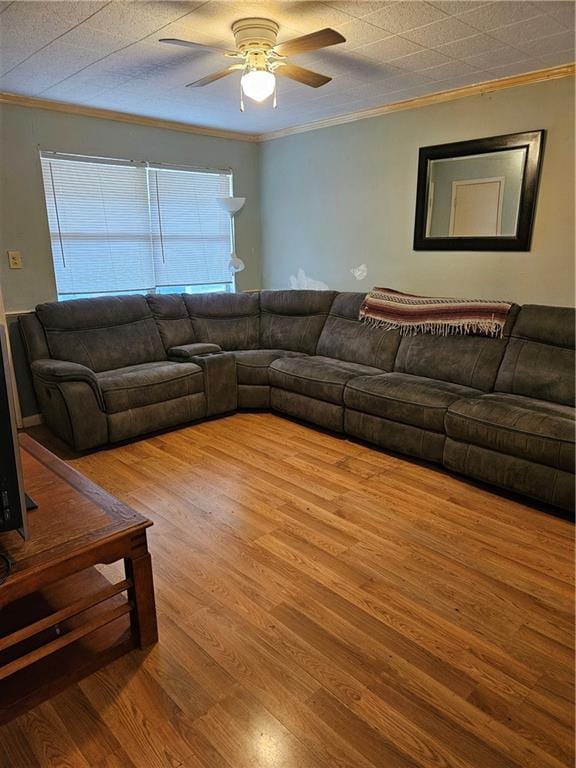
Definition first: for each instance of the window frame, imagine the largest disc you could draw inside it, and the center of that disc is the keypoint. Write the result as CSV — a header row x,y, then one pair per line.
x,y
228,286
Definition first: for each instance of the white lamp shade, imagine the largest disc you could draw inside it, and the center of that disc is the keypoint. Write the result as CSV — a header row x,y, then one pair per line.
x,y
232,204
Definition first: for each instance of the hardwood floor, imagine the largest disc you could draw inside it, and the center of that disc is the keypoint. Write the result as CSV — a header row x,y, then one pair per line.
x,y
323,605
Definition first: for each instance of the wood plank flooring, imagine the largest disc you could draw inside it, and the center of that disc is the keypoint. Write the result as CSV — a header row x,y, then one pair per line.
x,y
323,605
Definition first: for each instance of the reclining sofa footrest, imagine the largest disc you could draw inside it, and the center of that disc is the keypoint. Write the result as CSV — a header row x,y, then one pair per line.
x,y
547,484
394,436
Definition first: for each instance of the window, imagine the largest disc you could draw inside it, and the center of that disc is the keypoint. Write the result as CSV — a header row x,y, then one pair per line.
x,y
127,227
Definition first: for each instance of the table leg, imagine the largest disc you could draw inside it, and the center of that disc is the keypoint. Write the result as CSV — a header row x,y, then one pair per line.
x,y
138,567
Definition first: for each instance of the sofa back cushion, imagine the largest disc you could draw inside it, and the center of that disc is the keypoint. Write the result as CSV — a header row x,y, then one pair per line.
x,y
293,319
172,319
539,359
103,333
231,320
472,361
346,338
34,337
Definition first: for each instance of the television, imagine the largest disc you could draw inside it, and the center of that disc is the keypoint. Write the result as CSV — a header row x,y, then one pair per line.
x,y
12,497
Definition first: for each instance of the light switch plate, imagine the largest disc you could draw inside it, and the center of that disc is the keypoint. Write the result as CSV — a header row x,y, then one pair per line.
x,y
15,259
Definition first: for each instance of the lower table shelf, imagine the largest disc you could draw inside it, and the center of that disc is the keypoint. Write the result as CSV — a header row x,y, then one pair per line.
x,y
60,618
44,663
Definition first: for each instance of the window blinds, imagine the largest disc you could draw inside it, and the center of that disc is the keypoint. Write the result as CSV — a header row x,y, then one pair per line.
x,y
128,227
191,232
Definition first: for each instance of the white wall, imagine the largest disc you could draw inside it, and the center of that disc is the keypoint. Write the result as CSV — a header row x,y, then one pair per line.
x,y
338,197
23,223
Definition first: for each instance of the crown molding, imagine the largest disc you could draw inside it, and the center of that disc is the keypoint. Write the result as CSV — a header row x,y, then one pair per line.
x,y
122,117
490,86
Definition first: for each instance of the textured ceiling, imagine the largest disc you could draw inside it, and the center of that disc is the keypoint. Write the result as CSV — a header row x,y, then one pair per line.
x,y
107,54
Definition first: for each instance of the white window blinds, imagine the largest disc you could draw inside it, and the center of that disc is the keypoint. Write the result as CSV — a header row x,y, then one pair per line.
x,y
133,227
191,231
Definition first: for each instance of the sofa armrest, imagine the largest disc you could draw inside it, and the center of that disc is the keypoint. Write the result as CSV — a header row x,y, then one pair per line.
x,y
71,401
59,371
220,384
185,352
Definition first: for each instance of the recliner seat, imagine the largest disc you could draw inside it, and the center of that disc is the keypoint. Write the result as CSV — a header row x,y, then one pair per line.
x,y
531,429
344,349
312,388
498,410
415,400
321,377
253,365
521,437
108,377
148,383
402,412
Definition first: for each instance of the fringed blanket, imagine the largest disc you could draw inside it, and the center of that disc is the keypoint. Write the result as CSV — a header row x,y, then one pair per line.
x,y
411,314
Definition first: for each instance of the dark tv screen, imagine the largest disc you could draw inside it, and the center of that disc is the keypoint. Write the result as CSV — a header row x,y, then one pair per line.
x,y
12,499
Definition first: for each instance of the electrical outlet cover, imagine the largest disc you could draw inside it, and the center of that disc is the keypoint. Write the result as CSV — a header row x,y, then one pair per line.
x,y
15,259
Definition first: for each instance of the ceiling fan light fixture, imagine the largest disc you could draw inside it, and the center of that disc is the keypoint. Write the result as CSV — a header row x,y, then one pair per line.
x,y
258,84
261,57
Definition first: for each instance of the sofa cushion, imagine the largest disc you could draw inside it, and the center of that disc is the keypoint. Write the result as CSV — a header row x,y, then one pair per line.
x,y
172,318
139,385
321,377
293,319
102,333
548,325
468,360
231,320
530,429
252,364
539,359
346,338
34,337
407,399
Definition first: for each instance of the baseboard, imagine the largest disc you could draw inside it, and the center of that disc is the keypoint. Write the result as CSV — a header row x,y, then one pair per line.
x,y
32,421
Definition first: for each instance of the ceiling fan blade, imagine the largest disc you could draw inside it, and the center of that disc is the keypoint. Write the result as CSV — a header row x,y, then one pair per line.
x,y
190,44
214,76
306,76
321,39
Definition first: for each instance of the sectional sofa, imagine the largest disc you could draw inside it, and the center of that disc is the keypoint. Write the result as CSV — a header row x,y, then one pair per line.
x,y
497,410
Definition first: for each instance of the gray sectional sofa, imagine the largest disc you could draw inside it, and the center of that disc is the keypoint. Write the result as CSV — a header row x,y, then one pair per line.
x,y
497,410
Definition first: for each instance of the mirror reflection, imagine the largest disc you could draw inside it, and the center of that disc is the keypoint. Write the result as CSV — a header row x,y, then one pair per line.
x,y
475,195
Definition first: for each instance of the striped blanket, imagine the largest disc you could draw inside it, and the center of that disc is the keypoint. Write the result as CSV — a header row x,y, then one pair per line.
x,y
411,314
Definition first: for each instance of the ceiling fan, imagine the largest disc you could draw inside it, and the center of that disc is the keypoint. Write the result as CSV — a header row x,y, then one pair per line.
x,y
260,58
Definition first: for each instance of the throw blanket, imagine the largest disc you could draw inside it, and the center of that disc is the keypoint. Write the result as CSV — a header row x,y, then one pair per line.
x,y
411,314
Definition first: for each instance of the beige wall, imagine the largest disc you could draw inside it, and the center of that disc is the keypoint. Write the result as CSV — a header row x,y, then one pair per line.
x,y
23,224
339,197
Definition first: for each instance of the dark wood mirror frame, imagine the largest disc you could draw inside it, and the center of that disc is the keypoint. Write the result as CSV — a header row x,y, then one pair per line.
x,y
533,141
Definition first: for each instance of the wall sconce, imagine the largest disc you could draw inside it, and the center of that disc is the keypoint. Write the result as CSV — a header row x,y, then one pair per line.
x,y
232,205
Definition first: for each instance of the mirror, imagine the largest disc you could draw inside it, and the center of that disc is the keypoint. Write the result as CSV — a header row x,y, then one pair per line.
x,y
478,195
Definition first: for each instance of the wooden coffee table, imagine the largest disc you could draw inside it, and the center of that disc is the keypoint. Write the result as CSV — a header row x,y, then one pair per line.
x,y
60,618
